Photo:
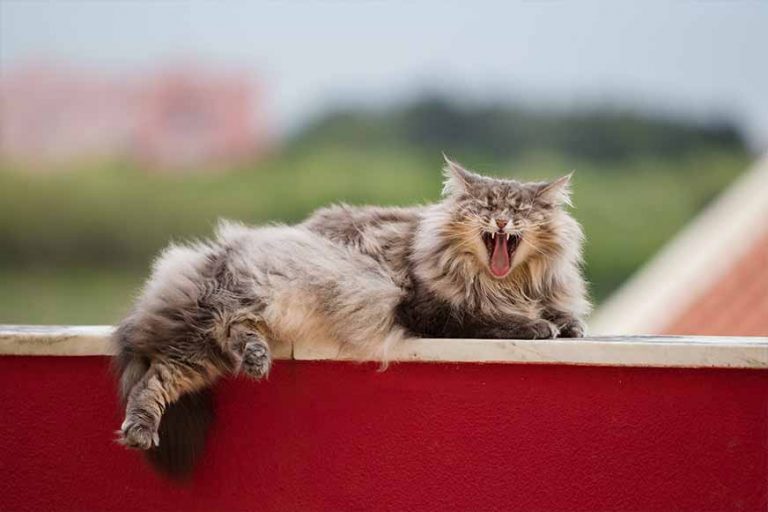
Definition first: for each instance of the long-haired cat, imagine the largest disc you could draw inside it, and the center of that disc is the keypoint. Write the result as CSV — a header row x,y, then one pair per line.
x,y
494,259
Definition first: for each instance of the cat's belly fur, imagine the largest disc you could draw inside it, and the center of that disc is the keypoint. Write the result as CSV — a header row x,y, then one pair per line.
x,y
308,288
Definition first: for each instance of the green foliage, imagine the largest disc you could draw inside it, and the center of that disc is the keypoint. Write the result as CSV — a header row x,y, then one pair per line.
x,y
499,131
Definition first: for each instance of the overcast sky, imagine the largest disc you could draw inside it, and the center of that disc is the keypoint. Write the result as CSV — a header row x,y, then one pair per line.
x,y
702,57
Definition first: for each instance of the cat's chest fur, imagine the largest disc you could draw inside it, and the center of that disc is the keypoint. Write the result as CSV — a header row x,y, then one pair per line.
x,y
452,306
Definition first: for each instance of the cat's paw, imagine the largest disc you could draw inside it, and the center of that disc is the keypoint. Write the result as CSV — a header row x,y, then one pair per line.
x,y
573,328
257,359
539,329
138,434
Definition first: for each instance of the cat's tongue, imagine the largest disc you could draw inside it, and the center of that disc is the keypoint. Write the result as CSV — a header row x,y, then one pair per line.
x,y
500,256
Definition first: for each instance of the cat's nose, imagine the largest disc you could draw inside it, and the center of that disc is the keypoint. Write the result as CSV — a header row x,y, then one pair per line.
x,y
501,223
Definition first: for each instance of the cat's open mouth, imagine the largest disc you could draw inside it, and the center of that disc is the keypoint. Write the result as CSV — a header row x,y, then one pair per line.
x,y
501,247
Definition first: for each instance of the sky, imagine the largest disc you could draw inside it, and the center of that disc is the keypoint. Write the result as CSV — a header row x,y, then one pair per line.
x,y
701,58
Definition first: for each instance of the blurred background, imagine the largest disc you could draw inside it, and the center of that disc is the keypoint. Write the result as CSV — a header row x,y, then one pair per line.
x,y
124,125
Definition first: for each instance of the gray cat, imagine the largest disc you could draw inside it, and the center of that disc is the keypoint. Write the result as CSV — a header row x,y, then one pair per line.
x,y
494,259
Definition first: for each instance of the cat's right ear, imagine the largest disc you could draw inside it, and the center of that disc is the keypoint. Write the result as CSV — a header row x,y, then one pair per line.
x,y
458,180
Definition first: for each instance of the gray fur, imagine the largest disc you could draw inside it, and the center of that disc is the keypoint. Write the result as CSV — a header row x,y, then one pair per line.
x,y
364,277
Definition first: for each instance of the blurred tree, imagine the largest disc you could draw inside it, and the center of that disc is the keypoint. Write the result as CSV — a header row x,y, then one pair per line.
x,y
500,131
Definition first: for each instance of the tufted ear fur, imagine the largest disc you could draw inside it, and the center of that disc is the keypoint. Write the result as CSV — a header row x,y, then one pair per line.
x,y
557,192
457,179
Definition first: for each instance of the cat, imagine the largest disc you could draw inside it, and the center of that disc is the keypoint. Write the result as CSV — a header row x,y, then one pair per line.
x,y
495,258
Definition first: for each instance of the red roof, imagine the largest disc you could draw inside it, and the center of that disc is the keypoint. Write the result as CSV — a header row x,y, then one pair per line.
x,y
736,304
711,279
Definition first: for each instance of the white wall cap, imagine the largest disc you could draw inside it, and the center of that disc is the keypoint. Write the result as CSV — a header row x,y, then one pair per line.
x,y
642,351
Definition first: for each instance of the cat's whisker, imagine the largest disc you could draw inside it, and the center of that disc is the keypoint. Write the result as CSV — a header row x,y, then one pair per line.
x,y
465,244
538,224
534,246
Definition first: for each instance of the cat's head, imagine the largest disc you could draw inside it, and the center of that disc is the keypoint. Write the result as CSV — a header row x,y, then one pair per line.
x,y
503,222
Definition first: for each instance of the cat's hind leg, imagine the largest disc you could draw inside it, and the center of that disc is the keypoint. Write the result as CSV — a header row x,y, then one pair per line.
x,y
241,348
162,384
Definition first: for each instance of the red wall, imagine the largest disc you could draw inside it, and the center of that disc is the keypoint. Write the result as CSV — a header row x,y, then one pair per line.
x,y
336,436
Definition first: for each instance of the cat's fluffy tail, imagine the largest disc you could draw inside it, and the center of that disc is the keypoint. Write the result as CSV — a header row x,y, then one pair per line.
x,y
184,424
183,429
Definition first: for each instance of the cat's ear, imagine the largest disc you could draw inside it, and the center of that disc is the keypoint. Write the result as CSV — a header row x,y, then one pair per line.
x,y
457,179
557,192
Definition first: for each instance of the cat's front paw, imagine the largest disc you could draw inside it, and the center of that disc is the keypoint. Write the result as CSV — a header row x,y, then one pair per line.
x,y
135,433
539,329
257,359
573,328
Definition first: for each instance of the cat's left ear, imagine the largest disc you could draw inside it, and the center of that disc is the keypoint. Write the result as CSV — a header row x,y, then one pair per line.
x,y
556,192
457,178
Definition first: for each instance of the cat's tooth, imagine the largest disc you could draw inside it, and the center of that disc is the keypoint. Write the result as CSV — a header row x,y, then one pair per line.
x,y
493,236
507,237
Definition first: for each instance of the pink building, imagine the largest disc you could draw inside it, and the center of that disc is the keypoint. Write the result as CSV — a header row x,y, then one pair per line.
x,y
173,119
